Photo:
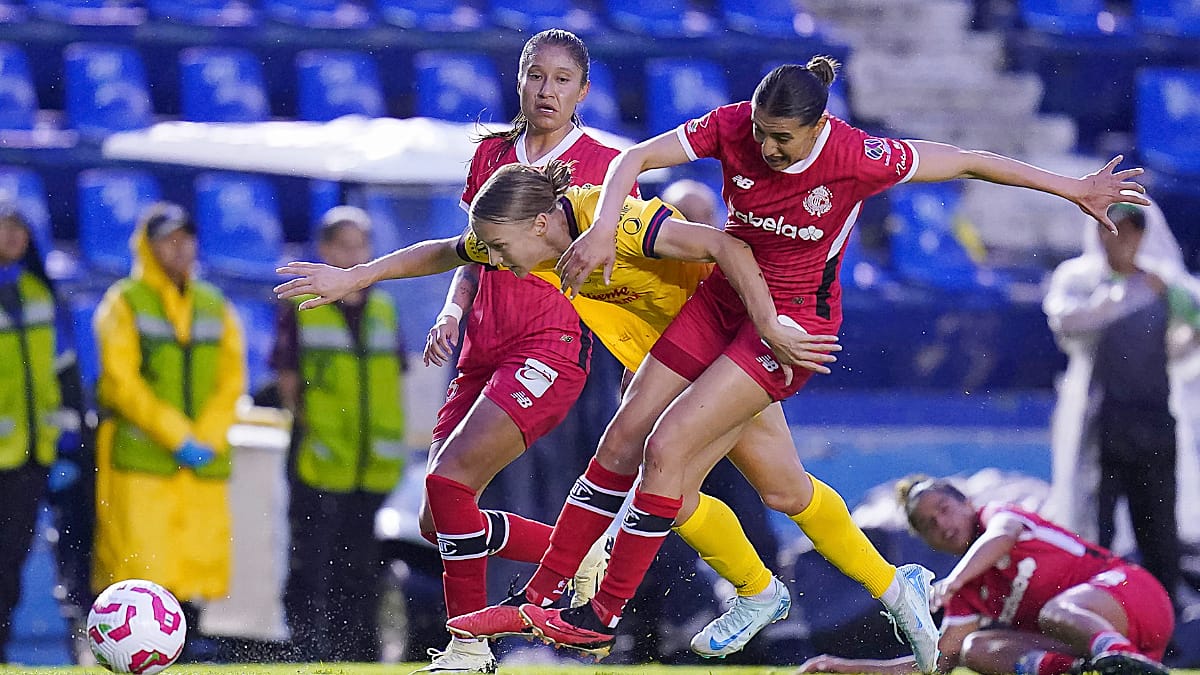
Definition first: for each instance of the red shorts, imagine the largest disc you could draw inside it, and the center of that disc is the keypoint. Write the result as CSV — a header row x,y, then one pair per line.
x,y
714,322
1147,606
536,388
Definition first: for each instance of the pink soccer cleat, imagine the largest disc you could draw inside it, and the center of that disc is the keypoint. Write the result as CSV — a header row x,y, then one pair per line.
x,y
492,622
554,626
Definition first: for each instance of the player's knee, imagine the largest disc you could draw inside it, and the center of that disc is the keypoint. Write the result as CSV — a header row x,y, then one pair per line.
x,y
663,448
620,451
1055,615
787,502
977,653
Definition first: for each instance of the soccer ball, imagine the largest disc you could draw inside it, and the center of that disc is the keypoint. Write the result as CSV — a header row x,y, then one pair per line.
x,y
136,626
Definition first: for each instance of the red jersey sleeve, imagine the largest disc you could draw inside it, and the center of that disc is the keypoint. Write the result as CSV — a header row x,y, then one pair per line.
x,y
701,137
473,182
883,162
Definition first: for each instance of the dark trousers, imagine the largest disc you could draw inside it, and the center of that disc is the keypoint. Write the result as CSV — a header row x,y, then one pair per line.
x,y
20,491
1137,461
334,575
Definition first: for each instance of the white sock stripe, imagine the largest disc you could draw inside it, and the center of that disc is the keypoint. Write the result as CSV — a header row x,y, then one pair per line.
x,y
597,488
643,533
480,533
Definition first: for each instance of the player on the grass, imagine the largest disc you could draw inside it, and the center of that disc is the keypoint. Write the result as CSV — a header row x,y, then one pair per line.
x,y
522,366
794,181
1027,596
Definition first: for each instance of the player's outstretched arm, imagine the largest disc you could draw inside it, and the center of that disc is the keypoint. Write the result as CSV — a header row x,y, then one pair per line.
x,y
331,284
1093,193
594,248
460,297
692,241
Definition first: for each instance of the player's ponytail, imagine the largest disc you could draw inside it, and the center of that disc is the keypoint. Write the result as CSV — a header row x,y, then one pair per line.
x,y
911,488
517,193
796,91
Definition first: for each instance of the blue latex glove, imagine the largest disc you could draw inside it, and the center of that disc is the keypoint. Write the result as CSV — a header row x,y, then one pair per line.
x,y
63,474
193,455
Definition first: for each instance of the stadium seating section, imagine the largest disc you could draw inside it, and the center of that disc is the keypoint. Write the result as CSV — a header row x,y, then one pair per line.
x,y
74,71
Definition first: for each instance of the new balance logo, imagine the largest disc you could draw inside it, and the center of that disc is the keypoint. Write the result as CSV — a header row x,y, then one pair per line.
x,y
768,363
742,182
522,400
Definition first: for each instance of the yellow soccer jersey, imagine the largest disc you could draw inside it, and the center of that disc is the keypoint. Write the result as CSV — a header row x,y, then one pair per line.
x,y
649,288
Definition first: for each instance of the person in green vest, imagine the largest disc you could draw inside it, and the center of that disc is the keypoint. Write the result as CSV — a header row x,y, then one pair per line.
x,y
339,368
172,368
29,401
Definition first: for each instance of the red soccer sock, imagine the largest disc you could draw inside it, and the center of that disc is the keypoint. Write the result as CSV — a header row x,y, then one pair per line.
x,y
1109,641
645,528
591,507
1053,663
515,538
462,542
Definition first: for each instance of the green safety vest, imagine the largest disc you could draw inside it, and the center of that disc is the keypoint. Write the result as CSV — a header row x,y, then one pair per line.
x,y
353,417
183,375
29,394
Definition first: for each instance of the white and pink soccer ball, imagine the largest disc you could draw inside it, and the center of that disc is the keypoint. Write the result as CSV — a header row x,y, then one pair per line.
x,y
136,626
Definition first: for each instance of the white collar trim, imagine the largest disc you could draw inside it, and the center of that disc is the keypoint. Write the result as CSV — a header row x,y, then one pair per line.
x,y
565,144
803,164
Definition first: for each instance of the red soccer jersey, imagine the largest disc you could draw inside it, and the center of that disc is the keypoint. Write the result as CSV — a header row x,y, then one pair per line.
x,y
512,309
797,220
1045,561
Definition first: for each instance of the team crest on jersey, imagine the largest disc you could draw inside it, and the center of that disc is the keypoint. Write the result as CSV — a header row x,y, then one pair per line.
x,y
818,201
877,149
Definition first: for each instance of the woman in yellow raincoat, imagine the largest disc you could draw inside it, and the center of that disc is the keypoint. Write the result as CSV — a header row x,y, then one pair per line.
x,y
172,366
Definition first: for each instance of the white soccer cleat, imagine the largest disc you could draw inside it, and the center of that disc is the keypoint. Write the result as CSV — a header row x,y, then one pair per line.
x,y
911,615
461,657
587,580
731,631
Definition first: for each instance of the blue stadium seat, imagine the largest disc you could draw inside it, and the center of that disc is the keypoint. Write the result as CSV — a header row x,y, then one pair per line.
x,y
258,327
24,189
924,247
90,12
1065,17
105,89
87,352
222,84
1167,119
680,89
430,15
532,16
839,103
659,19
333,83
1179,18
110,203
601,109
18,99
401,218
216,13
322,196
237,219
775,18
457,86
318,13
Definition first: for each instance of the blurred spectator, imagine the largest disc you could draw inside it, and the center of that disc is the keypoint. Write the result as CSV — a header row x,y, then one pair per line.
x,y
1122,311
695,200
28,430
339,368
172,367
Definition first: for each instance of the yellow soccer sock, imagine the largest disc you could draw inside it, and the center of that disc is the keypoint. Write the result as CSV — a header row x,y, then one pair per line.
x,y
714,531
827,523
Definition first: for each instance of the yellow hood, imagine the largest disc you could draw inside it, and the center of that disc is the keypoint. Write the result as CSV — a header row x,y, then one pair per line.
x,y
146,268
